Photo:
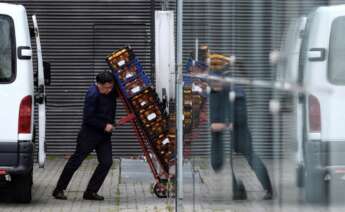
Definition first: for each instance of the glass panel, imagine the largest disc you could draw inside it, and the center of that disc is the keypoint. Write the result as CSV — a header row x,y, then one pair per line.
x,y
257,137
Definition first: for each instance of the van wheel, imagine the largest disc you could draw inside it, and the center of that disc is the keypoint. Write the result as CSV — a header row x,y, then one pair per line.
x,y
300,173
22,187
315,187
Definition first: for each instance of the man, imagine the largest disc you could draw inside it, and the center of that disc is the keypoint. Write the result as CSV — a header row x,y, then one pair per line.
x,y
95,134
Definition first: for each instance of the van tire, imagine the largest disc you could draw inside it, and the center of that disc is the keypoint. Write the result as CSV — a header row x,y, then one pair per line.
x,y
22,188
315,187
300,176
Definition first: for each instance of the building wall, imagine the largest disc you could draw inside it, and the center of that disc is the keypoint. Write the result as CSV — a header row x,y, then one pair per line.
x,y
77,35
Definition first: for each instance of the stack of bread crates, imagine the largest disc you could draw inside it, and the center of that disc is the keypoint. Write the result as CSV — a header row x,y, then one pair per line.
x,y
142,100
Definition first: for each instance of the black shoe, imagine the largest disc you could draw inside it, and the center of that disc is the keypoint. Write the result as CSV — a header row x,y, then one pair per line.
x,y
239,191
92,196
59,194
239,195
268,195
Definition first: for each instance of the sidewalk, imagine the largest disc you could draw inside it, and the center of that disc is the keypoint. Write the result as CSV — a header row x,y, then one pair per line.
x,y
127,188
133,193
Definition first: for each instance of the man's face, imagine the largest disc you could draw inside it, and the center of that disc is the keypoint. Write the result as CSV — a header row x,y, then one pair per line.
x,y
105,88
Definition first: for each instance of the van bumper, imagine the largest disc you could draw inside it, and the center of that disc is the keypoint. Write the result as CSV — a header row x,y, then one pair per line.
x,y
325,158
325,153
324,170
16,158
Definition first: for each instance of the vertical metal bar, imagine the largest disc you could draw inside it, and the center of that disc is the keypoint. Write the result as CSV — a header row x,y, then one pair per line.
x,y
165,5
193,159
152,29
179,108
196,49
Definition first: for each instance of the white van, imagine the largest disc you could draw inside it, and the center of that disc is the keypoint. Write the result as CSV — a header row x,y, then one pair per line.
x,y
321,111
17,101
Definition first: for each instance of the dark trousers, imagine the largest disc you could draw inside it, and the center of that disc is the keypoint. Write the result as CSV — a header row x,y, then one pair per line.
x,y
86,143
243,139
221,111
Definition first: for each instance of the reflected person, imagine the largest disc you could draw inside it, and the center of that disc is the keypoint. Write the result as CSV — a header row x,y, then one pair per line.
x,y
221,118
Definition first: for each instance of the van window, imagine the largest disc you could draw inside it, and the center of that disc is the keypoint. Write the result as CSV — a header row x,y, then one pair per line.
x,y
336,60
7,50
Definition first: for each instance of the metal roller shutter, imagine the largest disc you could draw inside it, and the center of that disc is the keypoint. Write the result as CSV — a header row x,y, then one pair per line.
x,y
76,37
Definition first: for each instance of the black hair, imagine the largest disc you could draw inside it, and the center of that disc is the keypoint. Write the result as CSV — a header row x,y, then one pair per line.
x,y
105,77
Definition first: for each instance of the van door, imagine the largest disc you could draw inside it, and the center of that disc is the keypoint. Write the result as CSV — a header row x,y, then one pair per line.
x,y
288,72
10,99
41,98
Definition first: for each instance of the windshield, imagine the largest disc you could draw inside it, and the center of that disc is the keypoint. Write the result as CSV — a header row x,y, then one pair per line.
x,y
7,50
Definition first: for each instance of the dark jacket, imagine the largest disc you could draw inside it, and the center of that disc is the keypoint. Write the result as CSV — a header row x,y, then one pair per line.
x,y
223,111
99,110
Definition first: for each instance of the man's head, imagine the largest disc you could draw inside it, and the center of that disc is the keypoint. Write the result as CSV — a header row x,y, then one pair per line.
x,y
105,82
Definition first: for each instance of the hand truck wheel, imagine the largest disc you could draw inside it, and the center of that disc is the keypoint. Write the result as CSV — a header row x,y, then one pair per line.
x,y
160,190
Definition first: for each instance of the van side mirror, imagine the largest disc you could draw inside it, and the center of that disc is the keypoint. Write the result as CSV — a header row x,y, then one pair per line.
x,y
317,54
46,71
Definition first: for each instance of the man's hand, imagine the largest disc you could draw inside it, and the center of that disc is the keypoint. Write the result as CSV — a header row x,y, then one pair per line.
x,y
108,128
217,127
